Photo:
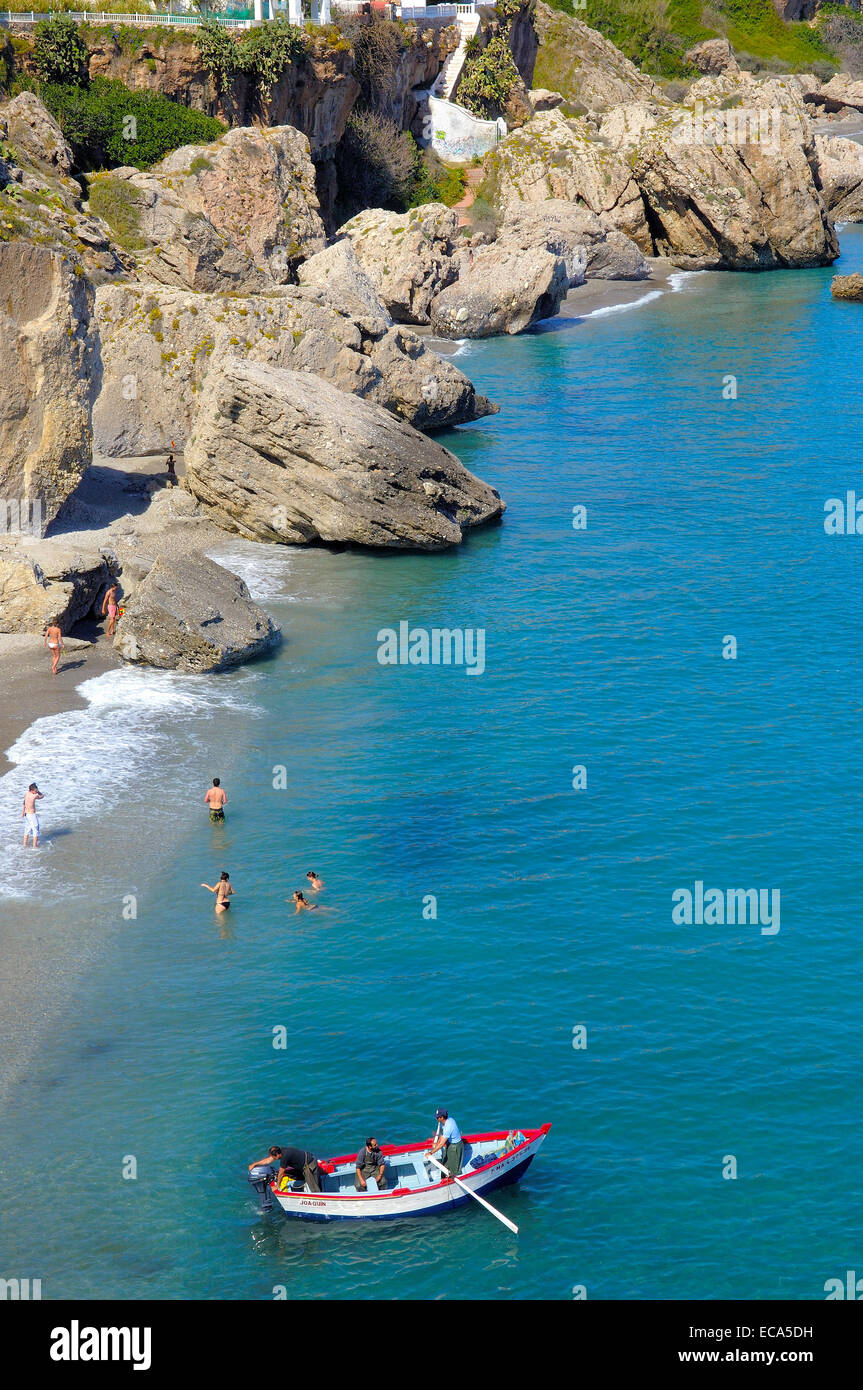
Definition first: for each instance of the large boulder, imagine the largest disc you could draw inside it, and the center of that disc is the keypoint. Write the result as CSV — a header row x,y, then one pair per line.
x,y
238,214
840,170
570,229
50,372
35,135
588,69
506,286
283,456
337,273
712,56
555,157
192,615
840,92
41,581
158,344
408,256
724,194
848,287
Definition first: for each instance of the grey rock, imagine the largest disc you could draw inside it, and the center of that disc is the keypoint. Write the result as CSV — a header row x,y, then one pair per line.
x,y
35,135
283,456
41,580
50,372
570,227
505,287
712,56
408,256
192,615
158,344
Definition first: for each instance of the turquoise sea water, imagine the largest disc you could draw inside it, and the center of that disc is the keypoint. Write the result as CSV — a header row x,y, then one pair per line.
x,y
603,648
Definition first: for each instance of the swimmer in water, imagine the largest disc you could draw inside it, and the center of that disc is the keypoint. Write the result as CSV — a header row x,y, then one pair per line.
x,y
222,890
301,904
217,801
314,882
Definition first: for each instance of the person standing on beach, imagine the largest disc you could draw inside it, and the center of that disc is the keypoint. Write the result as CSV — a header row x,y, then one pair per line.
x,y
28,813
54,643
110,602
217,800
222,890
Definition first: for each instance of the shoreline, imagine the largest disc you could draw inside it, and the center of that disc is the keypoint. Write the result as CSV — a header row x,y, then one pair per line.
x,y
107,510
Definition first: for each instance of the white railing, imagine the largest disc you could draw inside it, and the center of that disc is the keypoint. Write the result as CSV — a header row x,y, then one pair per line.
x,y
432,12
104,17
190,20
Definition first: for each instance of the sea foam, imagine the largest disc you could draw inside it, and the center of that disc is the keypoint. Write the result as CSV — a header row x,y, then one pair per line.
x,y
86,761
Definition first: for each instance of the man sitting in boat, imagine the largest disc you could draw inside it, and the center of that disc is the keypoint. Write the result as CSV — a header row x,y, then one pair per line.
x,y
299,1165
370,1164
448,1138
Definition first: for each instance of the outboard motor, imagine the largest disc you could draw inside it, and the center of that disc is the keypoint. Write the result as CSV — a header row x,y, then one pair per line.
x,y
260,1178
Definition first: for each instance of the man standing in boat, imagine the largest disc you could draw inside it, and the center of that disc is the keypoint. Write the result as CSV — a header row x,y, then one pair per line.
x,y
448,1138
299,1165
370,1164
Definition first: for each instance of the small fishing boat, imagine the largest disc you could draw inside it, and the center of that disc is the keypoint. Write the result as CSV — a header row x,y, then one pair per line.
x,y
416,1184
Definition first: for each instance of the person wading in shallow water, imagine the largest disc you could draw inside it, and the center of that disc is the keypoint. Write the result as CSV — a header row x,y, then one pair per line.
x,y
216,800
28,813
222,890
315,884
54,643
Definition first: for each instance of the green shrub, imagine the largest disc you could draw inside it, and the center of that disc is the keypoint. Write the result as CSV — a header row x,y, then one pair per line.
x,y
107,125
434,181
488,79
220,53
264,53
59,52
268,50
114,201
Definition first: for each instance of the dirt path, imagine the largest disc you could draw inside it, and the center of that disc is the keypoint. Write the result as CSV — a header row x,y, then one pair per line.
x,y
474,179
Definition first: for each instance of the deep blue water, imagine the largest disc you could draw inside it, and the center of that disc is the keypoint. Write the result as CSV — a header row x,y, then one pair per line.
x,y
604,649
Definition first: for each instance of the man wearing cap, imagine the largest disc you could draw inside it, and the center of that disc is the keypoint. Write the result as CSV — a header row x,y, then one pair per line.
x,y
448,1139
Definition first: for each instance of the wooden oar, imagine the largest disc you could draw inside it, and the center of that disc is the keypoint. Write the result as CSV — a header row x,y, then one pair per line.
x,y
476,1197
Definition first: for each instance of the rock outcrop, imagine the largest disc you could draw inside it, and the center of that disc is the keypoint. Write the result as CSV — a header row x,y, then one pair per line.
x,y
570,228
237,214
504,287
337,273
712,56
50,374
716,202
408,256
43,580
192,615
554,157
283,456
158,345
34,133
590,72
840,170
848,287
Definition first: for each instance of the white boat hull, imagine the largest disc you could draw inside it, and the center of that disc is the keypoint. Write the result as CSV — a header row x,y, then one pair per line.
x,y
437,1197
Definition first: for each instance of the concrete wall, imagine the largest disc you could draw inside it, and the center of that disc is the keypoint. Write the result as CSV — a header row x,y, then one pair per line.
x,y
456,135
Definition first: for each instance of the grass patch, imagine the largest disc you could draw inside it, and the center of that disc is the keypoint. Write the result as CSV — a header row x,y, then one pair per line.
x,y
114,201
